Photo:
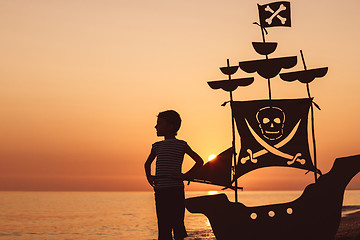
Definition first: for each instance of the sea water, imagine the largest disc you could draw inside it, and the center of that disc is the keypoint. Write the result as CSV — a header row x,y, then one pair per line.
x,y
111,215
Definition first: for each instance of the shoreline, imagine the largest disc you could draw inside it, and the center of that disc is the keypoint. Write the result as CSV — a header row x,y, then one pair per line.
x,y
349,228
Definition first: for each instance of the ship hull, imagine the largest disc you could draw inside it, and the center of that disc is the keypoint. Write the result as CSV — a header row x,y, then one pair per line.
x,y
314,215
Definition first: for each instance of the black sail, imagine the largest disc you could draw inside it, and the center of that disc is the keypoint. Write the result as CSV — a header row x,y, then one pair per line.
x,y
216,171
272,133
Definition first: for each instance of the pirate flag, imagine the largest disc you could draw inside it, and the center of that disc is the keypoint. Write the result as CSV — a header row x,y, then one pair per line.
x,y
275,14
273,133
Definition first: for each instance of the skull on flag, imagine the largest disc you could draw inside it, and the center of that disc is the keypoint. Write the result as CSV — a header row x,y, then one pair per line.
x,y
271,122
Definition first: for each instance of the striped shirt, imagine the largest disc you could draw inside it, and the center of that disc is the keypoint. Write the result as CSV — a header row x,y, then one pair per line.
x,y
170,156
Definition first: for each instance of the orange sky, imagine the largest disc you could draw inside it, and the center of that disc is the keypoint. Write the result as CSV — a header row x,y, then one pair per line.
x,y
81,85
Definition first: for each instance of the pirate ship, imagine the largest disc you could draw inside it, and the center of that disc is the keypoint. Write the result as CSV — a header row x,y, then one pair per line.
x,y
273,132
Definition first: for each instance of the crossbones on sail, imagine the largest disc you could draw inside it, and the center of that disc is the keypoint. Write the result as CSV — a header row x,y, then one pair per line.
x,y
273,149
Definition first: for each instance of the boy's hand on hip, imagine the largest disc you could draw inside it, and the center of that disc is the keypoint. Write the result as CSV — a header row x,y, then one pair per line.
x,y
151,180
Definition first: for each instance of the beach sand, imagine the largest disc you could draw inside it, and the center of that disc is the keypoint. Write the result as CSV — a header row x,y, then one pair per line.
x,y
349,229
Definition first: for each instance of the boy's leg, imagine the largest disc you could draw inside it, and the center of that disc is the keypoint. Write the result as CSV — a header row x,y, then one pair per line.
x,y
179,213
163,212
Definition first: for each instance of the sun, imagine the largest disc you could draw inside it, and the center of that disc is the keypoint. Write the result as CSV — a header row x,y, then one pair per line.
x,y
211,157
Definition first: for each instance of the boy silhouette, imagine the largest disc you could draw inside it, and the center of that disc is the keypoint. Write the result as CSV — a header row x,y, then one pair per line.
x,y
168,179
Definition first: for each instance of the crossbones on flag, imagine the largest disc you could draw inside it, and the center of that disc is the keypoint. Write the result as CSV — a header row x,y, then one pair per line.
x,y
272,133
275,14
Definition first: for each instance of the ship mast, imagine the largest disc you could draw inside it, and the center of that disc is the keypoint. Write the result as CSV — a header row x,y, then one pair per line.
x,y
312,119
231,85
229,70
233,138
267,58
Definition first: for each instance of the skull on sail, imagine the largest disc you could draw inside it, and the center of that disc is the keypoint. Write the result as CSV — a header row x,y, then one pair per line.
x,y
271,122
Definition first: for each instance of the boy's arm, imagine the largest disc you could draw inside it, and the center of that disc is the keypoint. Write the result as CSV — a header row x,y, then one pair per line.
x,y
147,166
198,162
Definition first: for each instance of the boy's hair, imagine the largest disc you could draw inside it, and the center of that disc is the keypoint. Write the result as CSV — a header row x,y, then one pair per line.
x,y
171,117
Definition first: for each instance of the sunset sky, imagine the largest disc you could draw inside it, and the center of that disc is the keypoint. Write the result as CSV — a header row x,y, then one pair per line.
x,y
81,84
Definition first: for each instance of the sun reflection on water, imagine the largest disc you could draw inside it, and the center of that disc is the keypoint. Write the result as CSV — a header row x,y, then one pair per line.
x,y
212,192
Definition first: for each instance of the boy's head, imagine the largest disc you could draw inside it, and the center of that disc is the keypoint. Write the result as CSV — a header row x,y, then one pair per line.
x,y
172,119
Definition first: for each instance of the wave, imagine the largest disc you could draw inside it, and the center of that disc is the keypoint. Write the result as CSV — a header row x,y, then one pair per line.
x,y
350,208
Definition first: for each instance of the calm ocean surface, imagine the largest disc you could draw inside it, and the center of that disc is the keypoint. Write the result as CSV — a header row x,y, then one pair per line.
x,y
110,215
